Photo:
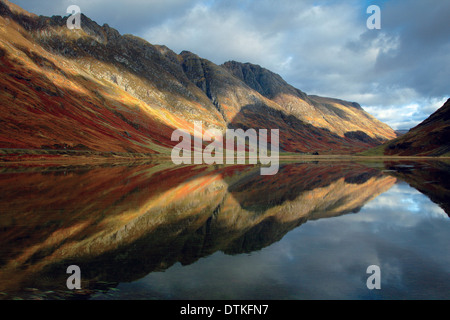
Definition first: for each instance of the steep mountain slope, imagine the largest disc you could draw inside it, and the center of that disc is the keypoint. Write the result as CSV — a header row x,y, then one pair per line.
x,y
95,89
429,138
346,119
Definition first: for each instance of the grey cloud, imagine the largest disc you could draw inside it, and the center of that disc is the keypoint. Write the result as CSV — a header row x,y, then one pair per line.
x,y
417,68
421,59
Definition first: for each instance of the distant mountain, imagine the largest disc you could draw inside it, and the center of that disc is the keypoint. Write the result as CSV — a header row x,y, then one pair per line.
x,y
97,90
401,132
429,138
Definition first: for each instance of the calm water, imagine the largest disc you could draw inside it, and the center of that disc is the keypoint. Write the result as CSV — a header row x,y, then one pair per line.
x,y
156,231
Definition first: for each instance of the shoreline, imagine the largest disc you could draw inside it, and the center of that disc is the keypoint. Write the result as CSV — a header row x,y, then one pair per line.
x,y
29,157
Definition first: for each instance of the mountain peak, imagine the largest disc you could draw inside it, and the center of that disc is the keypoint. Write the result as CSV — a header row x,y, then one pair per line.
x,y
266,82
99,90
189,54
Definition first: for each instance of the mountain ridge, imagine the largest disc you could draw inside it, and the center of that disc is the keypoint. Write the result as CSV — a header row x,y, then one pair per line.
x,y
134,94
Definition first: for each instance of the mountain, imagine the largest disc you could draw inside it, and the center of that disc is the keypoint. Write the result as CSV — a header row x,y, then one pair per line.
x,y
401,132
95,90
346,119
429,138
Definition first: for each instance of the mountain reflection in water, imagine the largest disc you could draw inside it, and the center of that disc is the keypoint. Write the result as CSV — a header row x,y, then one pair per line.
x,y
122,223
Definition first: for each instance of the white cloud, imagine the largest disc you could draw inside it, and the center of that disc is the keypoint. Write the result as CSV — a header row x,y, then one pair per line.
x,y
406,116
217,36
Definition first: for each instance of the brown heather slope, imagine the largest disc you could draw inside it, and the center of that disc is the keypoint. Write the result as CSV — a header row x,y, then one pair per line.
x,y
95,89
429,138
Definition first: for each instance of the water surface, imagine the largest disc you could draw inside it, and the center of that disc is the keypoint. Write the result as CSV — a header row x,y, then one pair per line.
x,y
157,231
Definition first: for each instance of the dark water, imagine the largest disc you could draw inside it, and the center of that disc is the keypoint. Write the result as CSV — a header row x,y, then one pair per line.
x,y
157,231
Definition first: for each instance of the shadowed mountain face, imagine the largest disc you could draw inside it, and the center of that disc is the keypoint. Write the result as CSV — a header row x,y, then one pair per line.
x,y
94,89
429,138
148,217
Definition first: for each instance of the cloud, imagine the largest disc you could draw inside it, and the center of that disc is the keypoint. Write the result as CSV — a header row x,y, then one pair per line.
x,y
406,116
301,41
218,36
412,72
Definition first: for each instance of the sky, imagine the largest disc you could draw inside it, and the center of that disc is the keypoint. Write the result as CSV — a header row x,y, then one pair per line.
x,y
399,73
